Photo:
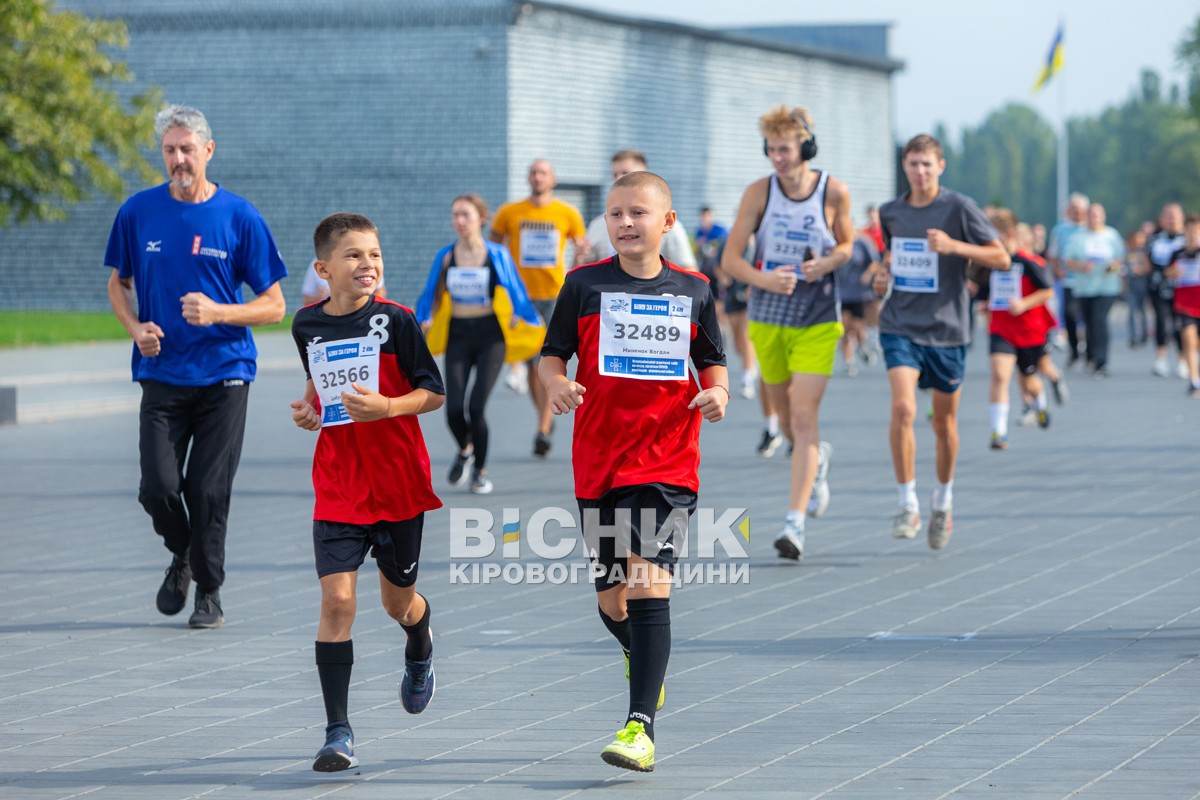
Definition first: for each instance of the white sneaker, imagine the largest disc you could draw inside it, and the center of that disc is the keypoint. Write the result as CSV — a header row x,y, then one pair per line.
x,y
1160,368
818,501
517,378
1181,370
748,391
790,542
1028,417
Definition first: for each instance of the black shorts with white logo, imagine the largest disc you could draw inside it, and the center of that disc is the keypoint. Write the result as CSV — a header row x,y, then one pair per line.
x,y
620,511
1027,357
395,546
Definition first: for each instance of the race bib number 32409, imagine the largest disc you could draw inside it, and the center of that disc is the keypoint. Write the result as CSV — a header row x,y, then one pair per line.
x,y
335,365
647,337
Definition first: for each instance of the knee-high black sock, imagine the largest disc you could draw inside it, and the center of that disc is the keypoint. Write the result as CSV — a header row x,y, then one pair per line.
x,y
420,644
334,662
619,630
649,651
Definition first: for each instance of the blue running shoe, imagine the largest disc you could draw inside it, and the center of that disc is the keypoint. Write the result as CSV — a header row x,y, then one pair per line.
x,y
338,752
417,685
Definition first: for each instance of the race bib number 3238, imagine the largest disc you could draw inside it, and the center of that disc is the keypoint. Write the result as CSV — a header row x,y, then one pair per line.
x,y
647,337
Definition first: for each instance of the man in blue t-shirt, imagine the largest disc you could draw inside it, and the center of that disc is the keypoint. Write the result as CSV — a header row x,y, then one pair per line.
x,y
179,254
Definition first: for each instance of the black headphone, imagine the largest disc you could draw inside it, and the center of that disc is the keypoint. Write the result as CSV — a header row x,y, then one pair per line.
x,y
808,148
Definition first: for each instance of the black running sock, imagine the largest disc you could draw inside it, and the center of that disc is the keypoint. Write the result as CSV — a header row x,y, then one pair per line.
x,y
420,645
334,662
619,630
649,651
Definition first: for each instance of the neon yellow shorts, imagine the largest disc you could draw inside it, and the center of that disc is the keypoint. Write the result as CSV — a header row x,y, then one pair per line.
x,y
782,351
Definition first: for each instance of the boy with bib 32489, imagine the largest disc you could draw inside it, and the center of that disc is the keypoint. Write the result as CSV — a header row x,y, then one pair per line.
x,y
634,321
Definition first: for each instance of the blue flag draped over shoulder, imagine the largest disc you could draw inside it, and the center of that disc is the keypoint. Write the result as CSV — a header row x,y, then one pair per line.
x,y
1054,60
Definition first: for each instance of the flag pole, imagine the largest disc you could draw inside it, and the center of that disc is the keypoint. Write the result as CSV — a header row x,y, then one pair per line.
x,y
1063,171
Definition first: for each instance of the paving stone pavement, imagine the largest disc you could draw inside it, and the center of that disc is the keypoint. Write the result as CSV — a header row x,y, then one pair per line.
x,y
1052,650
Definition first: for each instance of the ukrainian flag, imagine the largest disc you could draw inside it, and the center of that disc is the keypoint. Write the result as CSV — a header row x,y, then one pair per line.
x,y
1054,60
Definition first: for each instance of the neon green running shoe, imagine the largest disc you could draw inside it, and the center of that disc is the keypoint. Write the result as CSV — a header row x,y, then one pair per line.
x,y
662,690
632,749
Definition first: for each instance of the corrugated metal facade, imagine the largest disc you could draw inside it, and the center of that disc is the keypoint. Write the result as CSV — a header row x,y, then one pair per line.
x,y
394,108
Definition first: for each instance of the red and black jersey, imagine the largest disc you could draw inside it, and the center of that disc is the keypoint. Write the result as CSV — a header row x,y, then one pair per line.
x,y
367,472
628,431
1028,329
1187,298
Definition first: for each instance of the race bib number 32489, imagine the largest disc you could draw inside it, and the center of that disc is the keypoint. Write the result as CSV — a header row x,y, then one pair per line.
x,y
335,365
647,337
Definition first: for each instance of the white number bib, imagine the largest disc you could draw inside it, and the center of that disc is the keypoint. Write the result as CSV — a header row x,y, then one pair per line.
x,y
785,247
1189,271
539,248
1162,250
335,365
1004,287
1097,251
647,337
469,285
914,266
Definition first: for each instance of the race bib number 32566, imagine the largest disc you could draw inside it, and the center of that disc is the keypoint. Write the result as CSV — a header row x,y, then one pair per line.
x,y
647,337
335,365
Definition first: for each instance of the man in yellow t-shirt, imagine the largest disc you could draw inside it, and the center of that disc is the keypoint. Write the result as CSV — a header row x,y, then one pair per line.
x,y
536,231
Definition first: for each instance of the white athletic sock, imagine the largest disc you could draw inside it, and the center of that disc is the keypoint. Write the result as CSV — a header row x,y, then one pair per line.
x,y
998,413
908,496
1040,402
749,376
773,424
796,518
943,496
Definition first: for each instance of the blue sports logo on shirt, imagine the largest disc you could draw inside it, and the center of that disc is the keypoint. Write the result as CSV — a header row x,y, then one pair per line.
x,y
654,308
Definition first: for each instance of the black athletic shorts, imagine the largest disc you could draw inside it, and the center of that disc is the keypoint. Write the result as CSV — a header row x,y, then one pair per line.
x,y
856,310
1185,320
395,546
736,296
668,507
1027,357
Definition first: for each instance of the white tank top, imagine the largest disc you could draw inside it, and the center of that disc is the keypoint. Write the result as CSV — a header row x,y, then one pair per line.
x,y
789,228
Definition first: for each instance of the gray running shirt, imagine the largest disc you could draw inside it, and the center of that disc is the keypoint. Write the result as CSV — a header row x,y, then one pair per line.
x,y
932,309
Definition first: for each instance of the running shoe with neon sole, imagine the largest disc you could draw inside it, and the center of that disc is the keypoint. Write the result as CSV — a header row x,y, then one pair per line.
x,y
632,749
1043,418
790,542
906,524
338,752
999,441
418,684
818,501
662,690
941,525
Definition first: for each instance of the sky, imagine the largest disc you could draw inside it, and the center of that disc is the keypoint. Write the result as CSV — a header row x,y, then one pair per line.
x,y
967,58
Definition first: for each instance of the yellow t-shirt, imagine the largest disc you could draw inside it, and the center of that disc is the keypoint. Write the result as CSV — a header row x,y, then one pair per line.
x,y
537,238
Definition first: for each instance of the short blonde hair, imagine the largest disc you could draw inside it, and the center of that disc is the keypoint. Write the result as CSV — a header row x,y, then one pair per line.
x,y
781,122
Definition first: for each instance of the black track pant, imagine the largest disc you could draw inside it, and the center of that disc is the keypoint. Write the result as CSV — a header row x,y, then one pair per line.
x,y
475,343
191,443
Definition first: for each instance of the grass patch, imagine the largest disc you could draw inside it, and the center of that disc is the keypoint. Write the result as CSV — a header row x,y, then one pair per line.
x,y
35,328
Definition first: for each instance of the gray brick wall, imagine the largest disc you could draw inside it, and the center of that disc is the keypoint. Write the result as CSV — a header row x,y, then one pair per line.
x,y
392,109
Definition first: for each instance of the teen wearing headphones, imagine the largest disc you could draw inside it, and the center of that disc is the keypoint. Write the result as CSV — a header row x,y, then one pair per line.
x,y
800,220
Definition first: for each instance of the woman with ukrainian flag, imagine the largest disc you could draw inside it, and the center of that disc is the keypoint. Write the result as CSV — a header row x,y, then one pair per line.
x,y
476,310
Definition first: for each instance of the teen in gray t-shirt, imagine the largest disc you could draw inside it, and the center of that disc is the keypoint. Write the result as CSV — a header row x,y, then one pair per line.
x,y
928,309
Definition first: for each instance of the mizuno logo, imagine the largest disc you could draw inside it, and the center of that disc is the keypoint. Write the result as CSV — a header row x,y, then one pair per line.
x,y
154,247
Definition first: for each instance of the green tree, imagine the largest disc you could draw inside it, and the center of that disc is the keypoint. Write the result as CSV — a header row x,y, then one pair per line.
x,y
1137,156
1188,53
63,129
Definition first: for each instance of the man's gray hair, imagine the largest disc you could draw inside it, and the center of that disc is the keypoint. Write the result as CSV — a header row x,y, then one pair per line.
x,y
1079,199
182,117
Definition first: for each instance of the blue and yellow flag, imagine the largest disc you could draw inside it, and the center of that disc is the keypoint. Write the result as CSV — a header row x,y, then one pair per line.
x,y
1054,60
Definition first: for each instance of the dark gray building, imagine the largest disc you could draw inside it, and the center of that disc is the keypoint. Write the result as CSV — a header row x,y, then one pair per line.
x,y
394,107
